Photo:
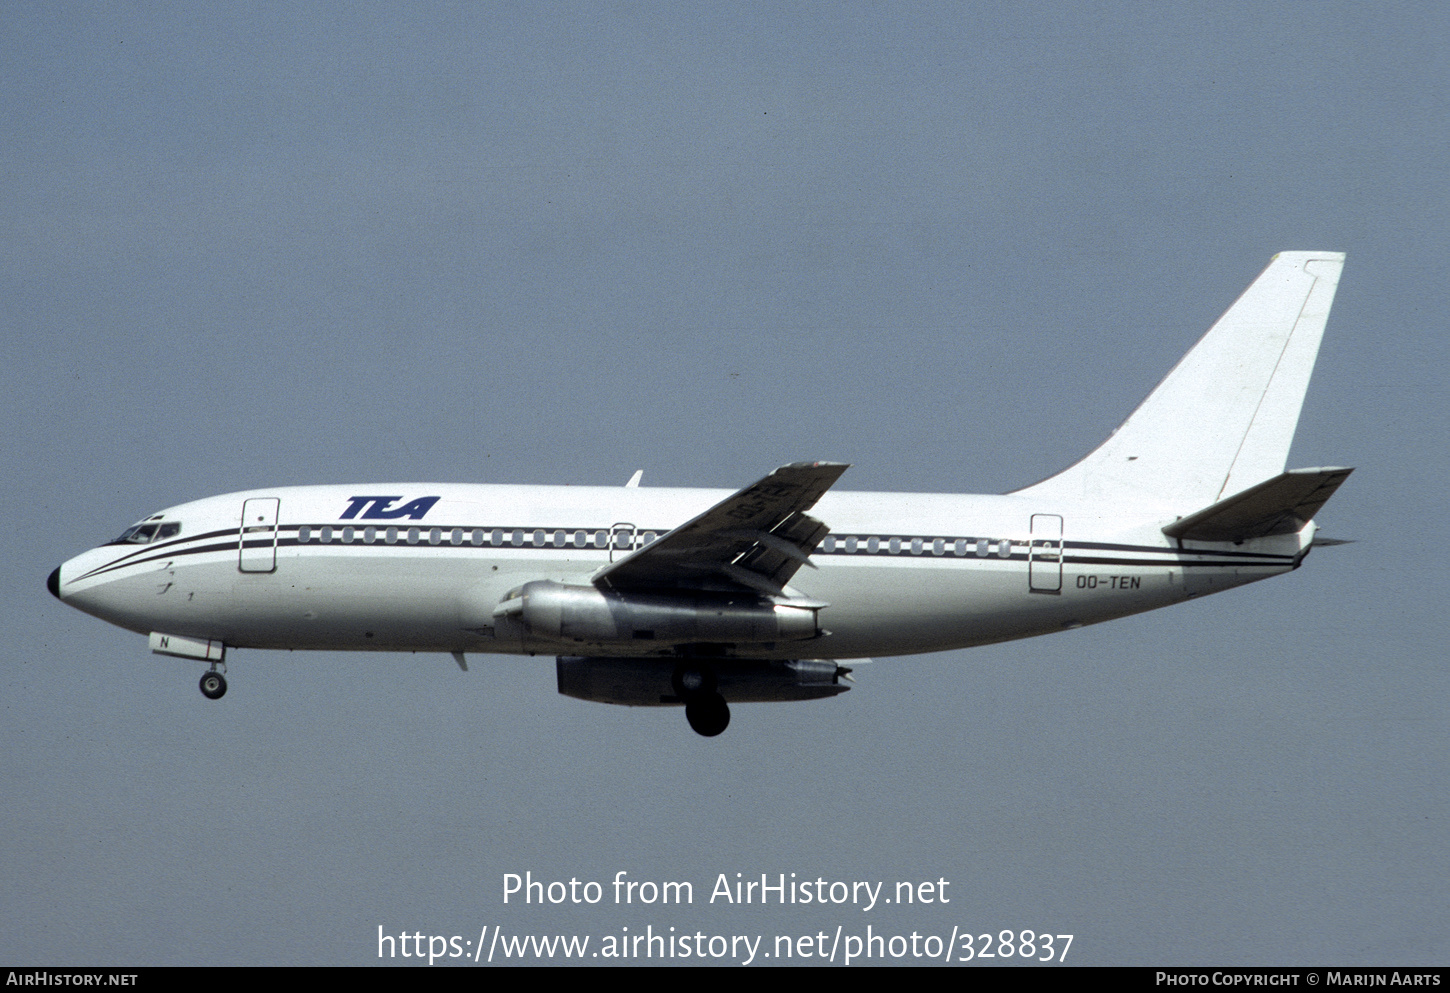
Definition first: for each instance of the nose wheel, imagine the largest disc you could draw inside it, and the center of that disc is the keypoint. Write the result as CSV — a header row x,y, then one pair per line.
x,y
213,685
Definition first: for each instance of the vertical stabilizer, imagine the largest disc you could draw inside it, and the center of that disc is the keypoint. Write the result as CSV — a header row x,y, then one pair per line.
x,y
1224,418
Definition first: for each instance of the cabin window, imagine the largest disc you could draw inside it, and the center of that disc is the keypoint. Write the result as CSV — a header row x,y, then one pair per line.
x,y
895,545
413,536
370,535
939,546
326,535
915,546
347,534
304,534
851,543
1004,549
959,547
477,537
982,548
391,536
435,535
873,544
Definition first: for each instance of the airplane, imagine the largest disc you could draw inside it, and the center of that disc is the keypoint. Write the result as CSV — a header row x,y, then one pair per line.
x,y
699,598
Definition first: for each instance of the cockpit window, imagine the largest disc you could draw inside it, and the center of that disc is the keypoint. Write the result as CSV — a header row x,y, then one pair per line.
x,y
141,534
138,535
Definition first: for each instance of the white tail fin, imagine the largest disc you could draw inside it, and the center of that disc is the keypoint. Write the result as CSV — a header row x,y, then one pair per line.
x,y
1223,419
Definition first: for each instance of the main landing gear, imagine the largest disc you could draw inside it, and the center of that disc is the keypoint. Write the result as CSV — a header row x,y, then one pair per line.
x,y
213,684
705,708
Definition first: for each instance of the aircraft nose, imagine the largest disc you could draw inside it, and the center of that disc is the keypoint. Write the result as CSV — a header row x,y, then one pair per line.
x,y
53,583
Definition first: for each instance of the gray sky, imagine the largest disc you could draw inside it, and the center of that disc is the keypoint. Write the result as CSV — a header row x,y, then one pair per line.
x,y
274,244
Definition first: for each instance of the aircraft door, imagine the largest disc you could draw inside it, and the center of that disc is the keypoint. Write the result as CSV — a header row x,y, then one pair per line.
x,y
257,539
621,541
1044,558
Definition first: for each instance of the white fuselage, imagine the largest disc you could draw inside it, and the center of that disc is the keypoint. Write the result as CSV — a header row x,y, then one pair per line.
x,y
320,567
655,597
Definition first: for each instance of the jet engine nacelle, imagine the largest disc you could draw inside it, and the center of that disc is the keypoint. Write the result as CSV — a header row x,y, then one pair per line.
x,y
651,682
558,612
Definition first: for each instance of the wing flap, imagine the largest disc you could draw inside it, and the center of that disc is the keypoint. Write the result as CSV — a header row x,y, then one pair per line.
x,y
756,539
1282,505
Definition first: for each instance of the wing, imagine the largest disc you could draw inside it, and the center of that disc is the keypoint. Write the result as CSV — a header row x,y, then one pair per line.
x,y
754,540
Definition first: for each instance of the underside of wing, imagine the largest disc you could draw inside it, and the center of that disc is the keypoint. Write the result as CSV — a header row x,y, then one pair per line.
x,y
755,540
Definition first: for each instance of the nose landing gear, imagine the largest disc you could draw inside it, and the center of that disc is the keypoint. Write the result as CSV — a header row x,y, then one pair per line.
x,y
213,684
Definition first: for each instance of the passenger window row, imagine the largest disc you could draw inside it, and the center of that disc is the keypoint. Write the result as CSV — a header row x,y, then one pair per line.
x,y
832,544
478,537
850,544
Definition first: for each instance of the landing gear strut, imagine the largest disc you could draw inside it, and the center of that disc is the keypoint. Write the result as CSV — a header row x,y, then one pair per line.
x,y
213,684
705,708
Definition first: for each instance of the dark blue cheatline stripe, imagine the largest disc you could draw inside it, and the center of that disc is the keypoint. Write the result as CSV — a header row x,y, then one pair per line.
x,y
170,549
1173,555
143,549
1181,563
1160,555
1109,547
129,561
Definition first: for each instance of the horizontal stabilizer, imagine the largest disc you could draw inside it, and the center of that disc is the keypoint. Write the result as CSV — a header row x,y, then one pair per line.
x,y
1282,505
